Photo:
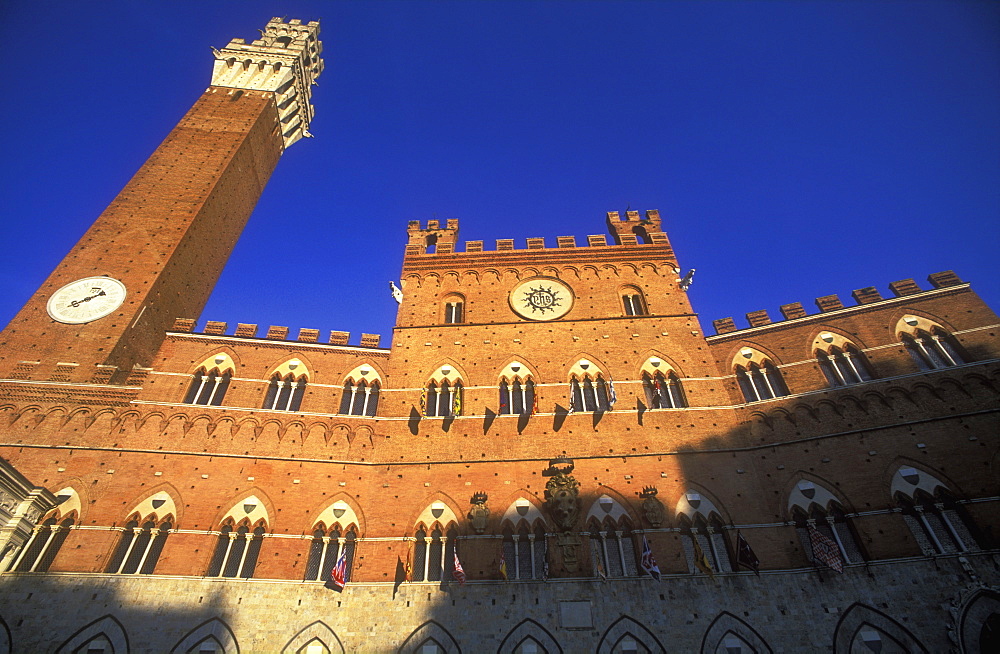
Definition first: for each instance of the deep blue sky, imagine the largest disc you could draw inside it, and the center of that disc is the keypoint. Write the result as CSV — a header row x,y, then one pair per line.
x,y
795,149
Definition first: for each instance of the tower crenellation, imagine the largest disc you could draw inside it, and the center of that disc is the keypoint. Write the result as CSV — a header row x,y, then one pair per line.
x,y
286,61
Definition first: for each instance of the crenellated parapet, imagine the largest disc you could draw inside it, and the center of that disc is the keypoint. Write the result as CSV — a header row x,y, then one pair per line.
x,y
831,303
273,333
441,237
285,60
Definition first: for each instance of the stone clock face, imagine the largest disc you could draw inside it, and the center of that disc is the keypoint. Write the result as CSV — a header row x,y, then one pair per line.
x,y
541,298
86,300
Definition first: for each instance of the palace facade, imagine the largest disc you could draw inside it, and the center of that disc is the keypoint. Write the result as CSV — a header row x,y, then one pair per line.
x,y
549,413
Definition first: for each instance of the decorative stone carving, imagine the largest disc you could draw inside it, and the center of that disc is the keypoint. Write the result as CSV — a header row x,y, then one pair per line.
x,y
652,508
569,547
479,513
562,493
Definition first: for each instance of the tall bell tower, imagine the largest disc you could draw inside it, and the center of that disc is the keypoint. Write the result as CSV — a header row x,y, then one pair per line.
x,y
158,249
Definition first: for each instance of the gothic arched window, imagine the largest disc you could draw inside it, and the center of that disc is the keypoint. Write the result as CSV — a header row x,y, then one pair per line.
x,y
285,393
831,522
932,350
524,550
139,548
208,389
325,550
663,391
843,366
236,552
760,381
938,523
517,397
589,393
434,553
705,537
45,542
444,400
360,399
612,548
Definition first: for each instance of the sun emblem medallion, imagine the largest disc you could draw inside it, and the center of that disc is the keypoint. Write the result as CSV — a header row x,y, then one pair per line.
x,y
541,298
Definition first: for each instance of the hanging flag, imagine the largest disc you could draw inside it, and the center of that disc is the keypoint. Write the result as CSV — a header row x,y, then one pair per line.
x,y
338,576
423,402
647,561
600,570
458,572
534,401
456,401
825,550
700,560
658,395
503,564
572,400
400,576
613,396
409,567
745,555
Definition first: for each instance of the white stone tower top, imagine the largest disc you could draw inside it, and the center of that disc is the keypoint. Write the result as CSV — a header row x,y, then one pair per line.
x,y
284,60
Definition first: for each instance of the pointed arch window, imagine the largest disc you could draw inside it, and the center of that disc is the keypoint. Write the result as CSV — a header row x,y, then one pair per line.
x,y
442,401
434,554
832,522
325,550
705,538
663,391
938,523
360,399
517,397
760,381
236,552
45,542
612,549
139,548
285,393
843,366
589,394
524,551
209,388
932,350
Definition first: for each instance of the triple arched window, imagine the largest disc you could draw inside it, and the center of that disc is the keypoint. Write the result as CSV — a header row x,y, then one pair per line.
x,y
760,381
325,550
939,524
844,365
434,553
517,397
211,381
932,349
360,399
705,543
208,389
45,542
612,548
442,400
237,551
139,548
663,391
284,393
589,393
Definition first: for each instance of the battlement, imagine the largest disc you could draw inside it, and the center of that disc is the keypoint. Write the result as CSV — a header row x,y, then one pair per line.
x,y
274,333
828,303
284,60
633,230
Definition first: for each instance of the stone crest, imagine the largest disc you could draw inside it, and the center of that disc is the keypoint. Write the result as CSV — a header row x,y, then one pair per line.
x,y
479,513
562,493
652,508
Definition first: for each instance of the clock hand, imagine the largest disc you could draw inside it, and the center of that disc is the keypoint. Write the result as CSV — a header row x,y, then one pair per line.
x,y
76,303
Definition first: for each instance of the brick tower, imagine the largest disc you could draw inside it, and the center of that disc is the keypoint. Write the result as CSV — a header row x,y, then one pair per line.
x,y
158,249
